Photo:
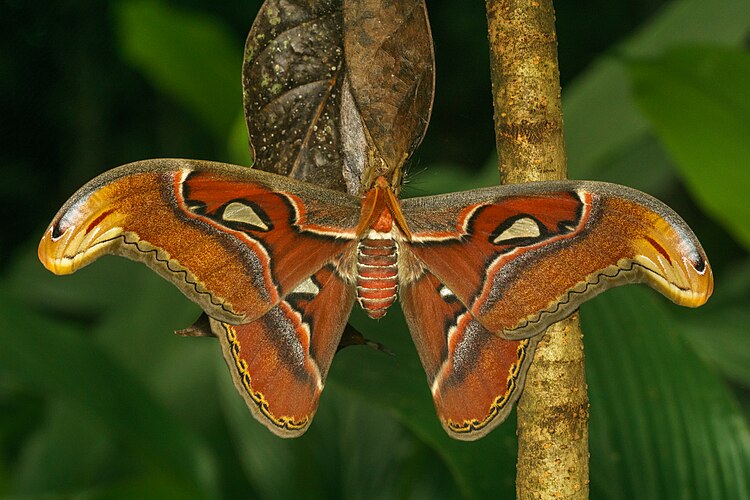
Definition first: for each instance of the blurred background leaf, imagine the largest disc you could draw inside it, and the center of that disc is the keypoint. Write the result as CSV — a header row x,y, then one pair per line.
x,y
602,120
191,57
698,102
673,430
59,362
99,399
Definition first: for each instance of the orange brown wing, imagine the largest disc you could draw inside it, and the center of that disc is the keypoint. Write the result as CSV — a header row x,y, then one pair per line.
x,y
521,257
279,362
475,376
232,239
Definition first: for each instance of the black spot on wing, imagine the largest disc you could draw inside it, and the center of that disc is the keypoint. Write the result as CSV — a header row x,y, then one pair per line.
x,y
698,263
56,231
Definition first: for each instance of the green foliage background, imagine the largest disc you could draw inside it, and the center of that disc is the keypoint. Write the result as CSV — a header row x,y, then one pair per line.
x,y
99,400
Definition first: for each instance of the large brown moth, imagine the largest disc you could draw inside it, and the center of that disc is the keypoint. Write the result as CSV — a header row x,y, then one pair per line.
x,y
277,263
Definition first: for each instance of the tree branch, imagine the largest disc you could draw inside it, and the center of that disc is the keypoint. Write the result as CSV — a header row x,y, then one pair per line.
x,y
553,410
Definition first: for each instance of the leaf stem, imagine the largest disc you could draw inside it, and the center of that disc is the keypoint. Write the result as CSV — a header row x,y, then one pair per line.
x,y
553,410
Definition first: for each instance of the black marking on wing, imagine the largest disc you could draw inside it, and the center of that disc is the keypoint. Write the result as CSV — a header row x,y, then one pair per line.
x,y
197,207
56,232
699,264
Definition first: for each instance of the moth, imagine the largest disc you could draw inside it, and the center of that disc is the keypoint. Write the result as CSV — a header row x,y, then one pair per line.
x,y
277,264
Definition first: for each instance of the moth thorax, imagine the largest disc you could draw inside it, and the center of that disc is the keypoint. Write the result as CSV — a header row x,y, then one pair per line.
x,y
377,273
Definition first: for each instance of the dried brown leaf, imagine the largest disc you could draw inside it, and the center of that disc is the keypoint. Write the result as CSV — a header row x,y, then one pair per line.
x,y
334,89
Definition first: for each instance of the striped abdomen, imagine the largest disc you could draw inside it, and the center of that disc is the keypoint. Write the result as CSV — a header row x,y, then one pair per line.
x,y
377,275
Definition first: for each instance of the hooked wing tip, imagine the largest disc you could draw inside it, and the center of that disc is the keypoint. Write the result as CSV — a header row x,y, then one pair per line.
x,y
700,285
703,281
65,250
51,252
680,271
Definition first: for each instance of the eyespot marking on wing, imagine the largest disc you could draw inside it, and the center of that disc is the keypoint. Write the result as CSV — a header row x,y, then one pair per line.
x,y
522,228
307,287
247,214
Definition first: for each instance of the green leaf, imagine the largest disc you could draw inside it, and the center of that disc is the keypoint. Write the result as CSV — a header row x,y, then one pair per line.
x,y
189,56
85,294
720,334
56,360
601,119
268,462
379,457
154,485
70,451
698,103
662,424
643,165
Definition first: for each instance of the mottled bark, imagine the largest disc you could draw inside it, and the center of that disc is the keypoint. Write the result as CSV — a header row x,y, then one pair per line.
x,y
553,410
